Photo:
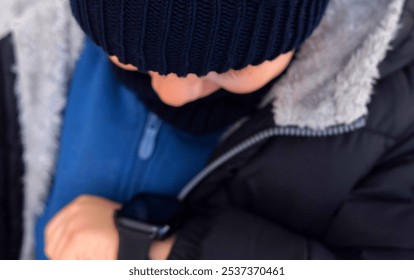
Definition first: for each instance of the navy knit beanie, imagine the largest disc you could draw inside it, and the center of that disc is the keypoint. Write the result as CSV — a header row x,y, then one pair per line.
x,y
197,36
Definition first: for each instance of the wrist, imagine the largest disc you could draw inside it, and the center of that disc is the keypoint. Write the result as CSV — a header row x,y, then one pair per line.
x,y
145,225
161,249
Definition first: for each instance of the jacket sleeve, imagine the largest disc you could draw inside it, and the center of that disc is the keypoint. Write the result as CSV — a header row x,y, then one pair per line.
x,y
233,233
375,222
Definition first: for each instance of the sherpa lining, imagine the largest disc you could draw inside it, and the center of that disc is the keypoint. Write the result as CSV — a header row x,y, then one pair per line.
x,y
329,83
47,44
10,12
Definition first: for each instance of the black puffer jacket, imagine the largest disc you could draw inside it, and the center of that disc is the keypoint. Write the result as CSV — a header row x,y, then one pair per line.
x,y
280,192
343,196
11,164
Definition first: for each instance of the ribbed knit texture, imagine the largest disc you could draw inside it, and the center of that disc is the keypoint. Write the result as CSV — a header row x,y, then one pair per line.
x,y
197,36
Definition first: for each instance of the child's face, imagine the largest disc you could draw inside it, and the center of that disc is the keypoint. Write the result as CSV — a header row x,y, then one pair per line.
x,y
176,91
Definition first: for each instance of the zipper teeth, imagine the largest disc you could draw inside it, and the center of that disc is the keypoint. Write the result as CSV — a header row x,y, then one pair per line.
x,y
261,136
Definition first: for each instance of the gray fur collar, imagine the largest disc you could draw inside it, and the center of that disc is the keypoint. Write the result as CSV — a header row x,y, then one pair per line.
x,y
331,82
10,13
324,86
45,56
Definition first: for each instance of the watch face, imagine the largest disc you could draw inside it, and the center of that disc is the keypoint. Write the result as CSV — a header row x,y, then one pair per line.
x,y
152,209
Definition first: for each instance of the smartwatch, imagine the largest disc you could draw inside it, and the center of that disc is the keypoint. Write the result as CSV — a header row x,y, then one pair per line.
x,y
145,218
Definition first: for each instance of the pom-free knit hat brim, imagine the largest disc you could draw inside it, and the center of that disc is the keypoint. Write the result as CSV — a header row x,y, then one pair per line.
x,y
197,36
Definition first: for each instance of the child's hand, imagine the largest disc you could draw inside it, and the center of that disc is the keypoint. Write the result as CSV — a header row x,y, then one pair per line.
x,y
84,229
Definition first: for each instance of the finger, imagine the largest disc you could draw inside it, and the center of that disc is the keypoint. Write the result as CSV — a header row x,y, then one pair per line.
x,y
63,249
67,253
57,221
55,230
55,241
67,246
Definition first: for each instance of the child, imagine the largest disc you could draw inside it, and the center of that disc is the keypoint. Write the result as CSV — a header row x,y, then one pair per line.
x,y
278,129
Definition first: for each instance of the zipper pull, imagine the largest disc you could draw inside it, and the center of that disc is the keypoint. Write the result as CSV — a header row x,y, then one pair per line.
x,y
148,141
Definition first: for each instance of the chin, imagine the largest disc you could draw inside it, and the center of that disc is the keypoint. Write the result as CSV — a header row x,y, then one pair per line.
x,y
245,86
174,102
246,90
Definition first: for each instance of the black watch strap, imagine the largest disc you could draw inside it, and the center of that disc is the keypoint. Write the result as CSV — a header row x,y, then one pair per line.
x,y
133,245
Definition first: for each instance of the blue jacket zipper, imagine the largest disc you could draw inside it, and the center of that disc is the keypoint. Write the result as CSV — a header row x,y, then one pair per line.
x,y
149,139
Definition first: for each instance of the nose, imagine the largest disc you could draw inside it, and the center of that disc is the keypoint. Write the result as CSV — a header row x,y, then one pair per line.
x,y
177,91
